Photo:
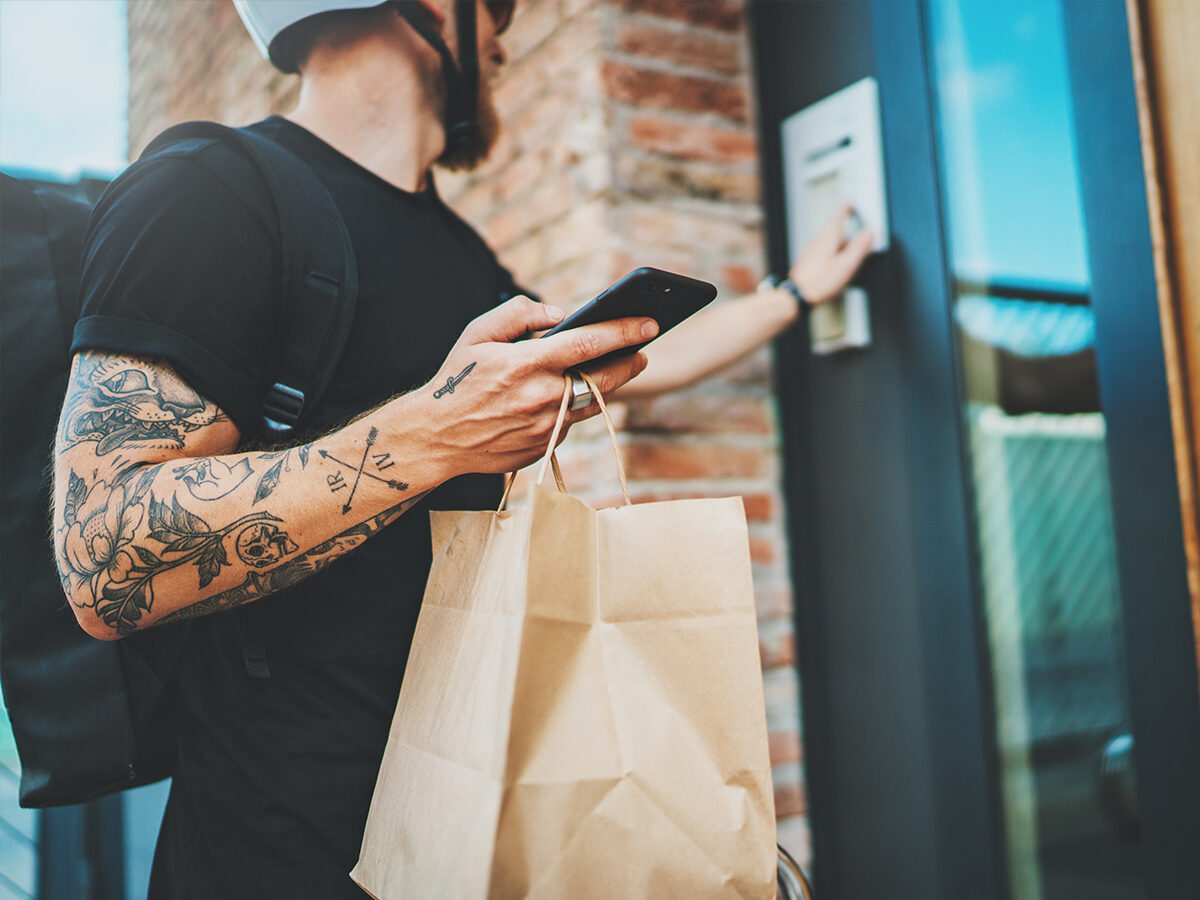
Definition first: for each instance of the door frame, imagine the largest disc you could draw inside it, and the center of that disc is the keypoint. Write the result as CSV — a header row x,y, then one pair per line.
x,y
1148,519
904,791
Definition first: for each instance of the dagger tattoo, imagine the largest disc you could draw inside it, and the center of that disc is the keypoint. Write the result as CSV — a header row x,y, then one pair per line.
x,y
452,382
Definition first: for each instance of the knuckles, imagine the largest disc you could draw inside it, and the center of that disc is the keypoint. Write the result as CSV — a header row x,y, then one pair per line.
x,y
585,345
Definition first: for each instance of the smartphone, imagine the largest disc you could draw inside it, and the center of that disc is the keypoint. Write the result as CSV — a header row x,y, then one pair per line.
x,y
665,297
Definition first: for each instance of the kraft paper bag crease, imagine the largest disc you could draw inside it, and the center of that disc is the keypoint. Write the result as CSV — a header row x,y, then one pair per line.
x,y
582,713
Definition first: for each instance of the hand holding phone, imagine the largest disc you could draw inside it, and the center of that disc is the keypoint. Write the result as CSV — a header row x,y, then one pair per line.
x,y
666,297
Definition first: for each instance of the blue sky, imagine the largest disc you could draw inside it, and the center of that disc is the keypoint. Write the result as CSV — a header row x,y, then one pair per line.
x,y
1008,142
63,86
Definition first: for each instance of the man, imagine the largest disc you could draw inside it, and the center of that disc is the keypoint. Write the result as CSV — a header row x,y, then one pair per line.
x,y
162,513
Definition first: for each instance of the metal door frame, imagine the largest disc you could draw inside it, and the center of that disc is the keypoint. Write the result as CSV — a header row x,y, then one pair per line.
x,y
898,472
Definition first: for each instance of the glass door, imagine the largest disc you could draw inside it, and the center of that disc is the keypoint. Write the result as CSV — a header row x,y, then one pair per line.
x,y
1035,437
993,623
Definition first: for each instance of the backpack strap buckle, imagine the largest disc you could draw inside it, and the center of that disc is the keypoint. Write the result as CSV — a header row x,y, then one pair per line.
x,y
281,408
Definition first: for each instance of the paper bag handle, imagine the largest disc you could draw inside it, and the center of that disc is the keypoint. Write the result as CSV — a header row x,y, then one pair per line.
x,y
558,424
512,477
550,460
612,434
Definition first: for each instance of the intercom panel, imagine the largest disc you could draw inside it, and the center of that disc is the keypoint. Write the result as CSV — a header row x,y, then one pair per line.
x,y
833,154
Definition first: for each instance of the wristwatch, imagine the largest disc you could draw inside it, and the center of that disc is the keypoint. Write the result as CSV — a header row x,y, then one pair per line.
x,y
774,282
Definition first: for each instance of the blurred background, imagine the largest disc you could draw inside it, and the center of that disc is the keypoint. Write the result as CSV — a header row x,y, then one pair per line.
x,y
973,509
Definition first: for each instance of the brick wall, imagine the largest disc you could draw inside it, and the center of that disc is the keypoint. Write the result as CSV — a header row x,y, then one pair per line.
x,y
628,141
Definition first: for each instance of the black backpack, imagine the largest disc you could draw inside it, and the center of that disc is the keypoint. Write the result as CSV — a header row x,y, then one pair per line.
x,y
93,717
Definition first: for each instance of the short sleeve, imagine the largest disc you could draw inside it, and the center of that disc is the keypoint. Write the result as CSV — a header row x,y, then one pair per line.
x,y
178,264
509,287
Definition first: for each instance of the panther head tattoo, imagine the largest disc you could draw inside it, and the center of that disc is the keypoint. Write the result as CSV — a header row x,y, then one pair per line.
x,y
117,402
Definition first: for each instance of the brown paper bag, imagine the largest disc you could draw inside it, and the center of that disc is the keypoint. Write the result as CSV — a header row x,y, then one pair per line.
x,y
582,713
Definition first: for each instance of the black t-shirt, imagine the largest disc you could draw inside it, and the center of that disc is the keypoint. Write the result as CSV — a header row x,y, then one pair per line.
x,y
275,775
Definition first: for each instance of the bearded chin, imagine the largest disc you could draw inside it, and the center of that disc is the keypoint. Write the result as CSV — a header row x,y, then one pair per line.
x,y
469,154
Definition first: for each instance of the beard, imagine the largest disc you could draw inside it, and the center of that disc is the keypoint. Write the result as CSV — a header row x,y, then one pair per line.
x,y
467,155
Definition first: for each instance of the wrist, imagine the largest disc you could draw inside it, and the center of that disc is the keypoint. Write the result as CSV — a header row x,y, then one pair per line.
x,y
419,432
788,288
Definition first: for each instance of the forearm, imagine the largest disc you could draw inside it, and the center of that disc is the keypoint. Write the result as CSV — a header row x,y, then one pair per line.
x,y
170,540
712,339
156,519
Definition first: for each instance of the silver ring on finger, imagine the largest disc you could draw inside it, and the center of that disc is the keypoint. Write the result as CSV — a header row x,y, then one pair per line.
x,y
581,394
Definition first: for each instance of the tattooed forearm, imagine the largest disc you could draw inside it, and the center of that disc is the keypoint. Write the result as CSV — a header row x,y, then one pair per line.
x,y
119,401
263,544
101,547
293,571
379,460
155,508
282,462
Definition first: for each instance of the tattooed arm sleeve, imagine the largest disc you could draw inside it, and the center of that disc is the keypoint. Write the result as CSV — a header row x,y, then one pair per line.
x,y
156,519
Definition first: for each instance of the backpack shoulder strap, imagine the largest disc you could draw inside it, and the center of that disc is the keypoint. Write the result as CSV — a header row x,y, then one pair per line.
x,y
319,277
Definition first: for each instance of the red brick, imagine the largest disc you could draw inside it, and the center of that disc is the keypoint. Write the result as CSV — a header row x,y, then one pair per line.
x,y
664,90
790,800
694,460
519,176
576,469
726,15
519,84
692,140
572,48
525,258
553,197
695,49
785,747
763,550
758,506
574,7
777,650
700,411
653,177
577,235
781,696
504,230
474,199
754,369
668,258
771,603
741,279
546,202
540,126
702,232
571,286
562,289
535,20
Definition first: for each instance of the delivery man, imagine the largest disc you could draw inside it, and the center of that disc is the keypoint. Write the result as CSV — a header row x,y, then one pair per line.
x,y
161,503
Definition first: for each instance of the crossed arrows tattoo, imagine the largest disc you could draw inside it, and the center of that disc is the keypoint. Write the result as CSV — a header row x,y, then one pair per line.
x,y
336,482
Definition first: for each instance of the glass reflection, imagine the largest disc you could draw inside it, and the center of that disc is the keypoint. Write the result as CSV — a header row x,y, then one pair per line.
x,y
1035,435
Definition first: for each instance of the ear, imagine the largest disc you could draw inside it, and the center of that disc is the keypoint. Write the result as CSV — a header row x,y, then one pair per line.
x,y
436,16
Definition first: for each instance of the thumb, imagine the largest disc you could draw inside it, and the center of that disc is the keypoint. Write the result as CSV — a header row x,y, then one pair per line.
x,y
512,319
